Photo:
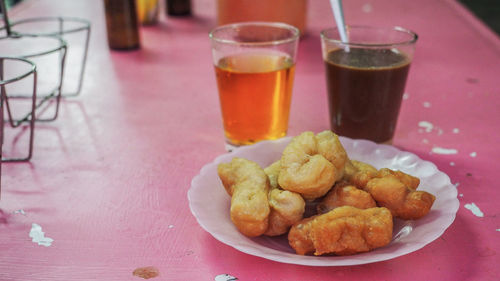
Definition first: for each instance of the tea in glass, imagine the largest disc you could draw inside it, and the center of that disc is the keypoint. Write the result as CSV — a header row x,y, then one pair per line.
x,y
254,67
366,79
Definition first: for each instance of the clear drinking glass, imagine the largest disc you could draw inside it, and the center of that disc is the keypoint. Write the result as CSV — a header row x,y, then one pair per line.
x,y
366,79
254,66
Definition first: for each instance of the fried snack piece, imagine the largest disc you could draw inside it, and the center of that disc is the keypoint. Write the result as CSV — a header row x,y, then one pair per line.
x,y
392,189
272,171
248,185
299,236
311,164
287,207
359,173
344,194
330,147
343,231
408,180
403,202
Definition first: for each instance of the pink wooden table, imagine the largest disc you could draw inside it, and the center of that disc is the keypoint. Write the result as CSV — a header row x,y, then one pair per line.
x,y
109,178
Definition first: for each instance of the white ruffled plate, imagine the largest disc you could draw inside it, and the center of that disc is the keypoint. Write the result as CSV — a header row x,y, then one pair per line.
x,y
210,204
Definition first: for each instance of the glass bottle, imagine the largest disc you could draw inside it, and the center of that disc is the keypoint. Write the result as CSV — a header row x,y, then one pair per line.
x,y
178,7
122,25
147,11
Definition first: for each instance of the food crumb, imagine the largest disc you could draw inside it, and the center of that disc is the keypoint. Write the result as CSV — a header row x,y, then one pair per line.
x,y
473,154
440,150
38,236
146,272
428,126
474,209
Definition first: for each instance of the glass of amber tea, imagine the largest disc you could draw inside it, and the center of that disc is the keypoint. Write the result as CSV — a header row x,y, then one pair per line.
x,y
366,79
254,66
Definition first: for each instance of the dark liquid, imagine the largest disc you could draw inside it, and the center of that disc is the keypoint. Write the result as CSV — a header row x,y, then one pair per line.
x,y
365,88
178,7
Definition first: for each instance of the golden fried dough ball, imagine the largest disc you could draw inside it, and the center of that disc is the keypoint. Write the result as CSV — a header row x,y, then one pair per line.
x,y
272,171
240,170
287,207
403,202
330,147
343,231
392,189
248,184
344,194
299,236
311,164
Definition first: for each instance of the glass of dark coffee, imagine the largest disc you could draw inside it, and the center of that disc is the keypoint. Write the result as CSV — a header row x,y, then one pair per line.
x,y
366,78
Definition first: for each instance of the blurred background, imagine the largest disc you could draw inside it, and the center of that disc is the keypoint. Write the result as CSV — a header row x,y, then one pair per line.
x,y
487,10
11,3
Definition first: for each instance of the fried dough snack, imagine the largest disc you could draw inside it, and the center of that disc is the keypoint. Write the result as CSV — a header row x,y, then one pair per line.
x,y
248,186
359,173
273,171
404,202
343,231
394,190
344,194
272,201
311,164
408,180
287,207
